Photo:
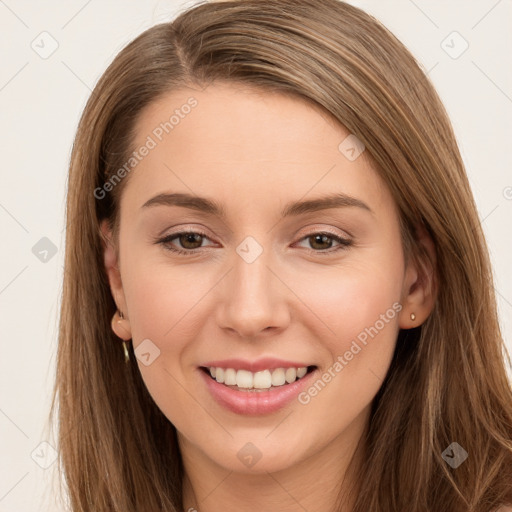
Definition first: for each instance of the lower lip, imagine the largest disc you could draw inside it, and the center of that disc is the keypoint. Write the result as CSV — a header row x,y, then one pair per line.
x,y
255,402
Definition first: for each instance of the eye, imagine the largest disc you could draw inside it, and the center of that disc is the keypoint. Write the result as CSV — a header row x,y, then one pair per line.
x,y
322,242
191,242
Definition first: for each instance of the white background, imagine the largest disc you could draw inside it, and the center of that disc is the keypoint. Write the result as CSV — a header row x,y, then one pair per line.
x,y
40,103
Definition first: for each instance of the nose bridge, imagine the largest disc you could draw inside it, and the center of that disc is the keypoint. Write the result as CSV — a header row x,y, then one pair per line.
x,y
252,281
253,300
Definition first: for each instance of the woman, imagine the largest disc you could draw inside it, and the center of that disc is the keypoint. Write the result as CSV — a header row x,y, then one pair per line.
x,y
277,292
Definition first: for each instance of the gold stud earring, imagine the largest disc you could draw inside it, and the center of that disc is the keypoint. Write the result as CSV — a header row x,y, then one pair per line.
x,y
413,317
125,348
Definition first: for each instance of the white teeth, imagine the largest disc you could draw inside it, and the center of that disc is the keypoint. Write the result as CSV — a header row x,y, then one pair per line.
x,y
264,379
230,377
278,378
244,379
219,375
290,375
301,372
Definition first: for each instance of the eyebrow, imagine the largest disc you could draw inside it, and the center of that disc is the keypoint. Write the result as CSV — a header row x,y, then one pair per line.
x,y
294,208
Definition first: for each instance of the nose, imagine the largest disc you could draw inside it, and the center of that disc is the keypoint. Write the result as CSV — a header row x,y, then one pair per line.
x,y
253,300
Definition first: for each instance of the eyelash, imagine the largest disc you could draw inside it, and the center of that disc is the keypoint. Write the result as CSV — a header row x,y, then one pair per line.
x,y
344,242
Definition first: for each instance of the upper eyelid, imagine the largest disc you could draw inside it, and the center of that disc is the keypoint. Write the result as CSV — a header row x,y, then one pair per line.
x,y
311,229
307,233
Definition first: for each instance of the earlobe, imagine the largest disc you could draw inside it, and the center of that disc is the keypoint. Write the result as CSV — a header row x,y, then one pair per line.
x,y
420,290
121,326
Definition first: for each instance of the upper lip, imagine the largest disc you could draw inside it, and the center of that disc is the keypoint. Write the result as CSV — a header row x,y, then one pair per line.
x,y
256,365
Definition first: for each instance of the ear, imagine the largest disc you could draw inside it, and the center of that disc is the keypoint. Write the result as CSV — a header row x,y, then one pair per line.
x,y
120,326
419,292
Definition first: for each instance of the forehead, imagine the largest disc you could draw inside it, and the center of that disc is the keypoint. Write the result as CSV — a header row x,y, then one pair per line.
x,y
225,108
230,140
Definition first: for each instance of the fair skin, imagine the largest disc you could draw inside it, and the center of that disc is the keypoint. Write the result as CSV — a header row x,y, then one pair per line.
x,y
253,152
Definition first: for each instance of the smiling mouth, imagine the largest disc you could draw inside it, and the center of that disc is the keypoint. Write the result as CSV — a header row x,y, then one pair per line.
x,y
265,380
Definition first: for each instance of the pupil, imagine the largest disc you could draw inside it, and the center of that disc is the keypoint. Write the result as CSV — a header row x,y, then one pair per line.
x,y
190,238
322,239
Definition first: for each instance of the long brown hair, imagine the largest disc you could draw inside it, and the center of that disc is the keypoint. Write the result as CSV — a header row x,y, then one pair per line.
x,y
447,381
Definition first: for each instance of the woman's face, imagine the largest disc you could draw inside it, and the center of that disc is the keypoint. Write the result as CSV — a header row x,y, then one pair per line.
x,y
274,277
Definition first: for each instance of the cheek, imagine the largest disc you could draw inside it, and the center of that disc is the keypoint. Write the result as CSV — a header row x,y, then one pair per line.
x,y
163,304
361,308
359,302
352,298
